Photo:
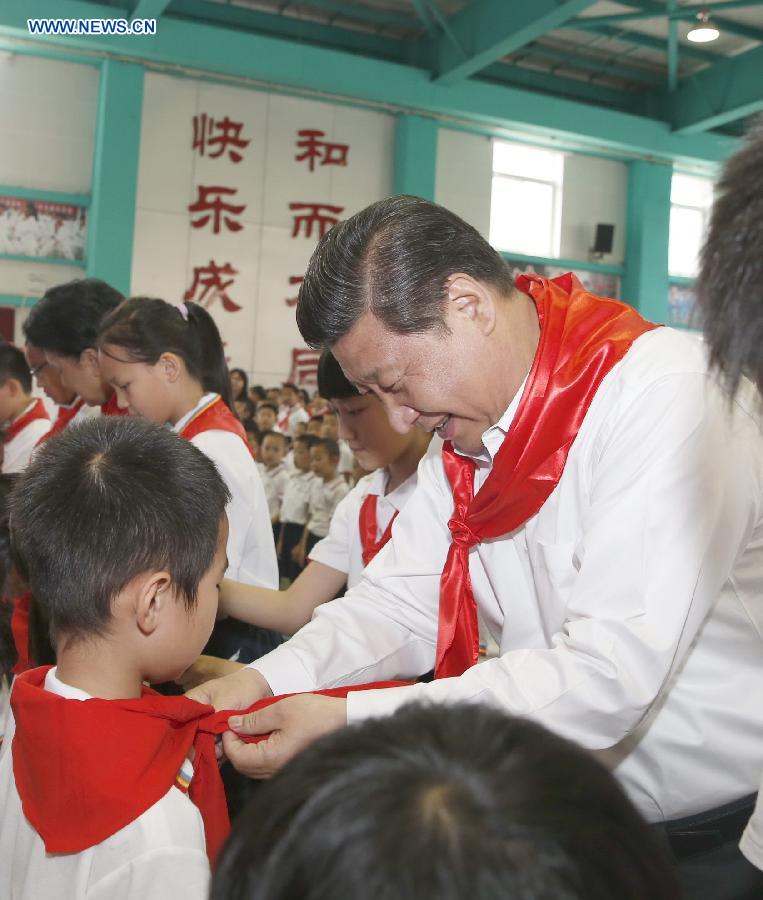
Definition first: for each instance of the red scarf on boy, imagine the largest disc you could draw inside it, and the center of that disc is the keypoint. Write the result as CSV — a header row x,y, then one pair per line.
x,y
37,411
85,769
65,415
582,337
369,527
214,416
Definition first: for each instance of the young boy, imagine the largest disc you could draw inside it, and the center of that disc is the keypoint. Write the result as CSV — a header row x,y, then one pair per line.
x,y
23,417
122,526
326,491
64,325
294,506
265,417
273,471
291,412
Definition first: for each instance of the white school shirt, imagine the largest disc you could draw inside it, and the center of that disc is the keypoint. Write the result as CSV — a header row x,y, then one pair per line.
x,y
752,839
159,855
628,610
296,497
274,481
324,499
18,451
342,548
346,458
251,549
296,414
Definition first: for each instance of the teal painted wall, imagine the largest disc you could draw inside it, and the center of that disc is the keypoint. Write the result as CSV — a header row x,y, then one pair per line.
x,y
415,156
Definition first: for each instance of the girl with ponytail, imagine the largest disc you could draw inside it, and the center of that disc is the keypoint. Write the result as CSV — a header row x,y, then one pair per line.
x,y
167,364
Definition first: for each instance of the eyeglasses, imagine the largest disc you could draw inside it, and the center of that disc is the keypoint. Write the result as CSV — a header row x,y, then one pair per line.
x,y
37,369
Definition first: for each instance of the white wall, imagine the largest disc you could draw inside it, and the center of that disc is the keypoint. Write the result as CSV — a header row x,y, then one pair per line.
x,y
261,335
464,176
595,190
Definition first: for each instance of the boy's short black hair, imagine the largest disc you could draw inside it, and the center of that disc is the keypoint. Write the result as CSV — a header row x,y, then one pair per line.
x,y
67,318
330,445
13,364
105,501
276,434
333,384
309,440
443,802
266,404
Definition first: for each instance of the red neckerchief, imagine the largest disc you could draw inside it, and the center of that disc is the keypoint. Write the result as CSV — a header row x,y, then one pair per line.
x,y
582,337
214,416
112,408
65,415
283,422
85,769
369,527
37,411
20,631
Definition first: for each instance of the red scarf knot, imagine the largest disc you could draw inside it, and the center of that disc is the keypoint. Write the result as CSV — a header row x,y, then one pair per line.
x,y
462,535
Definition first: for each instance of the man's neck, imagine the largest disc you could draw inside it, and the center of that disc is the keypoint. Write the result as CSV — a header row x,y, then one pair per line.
x,y
93,666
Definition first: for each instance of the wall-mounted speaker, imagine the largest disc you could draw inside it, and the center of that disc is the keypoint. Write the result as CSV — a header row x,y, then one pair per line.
x,y
603,242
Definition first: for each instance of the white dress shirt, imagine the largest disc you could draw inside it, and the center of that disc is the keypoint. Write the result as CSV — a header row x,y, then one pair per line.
x,y
342,549
296,497
324,499
18,451
752,839
346,458
161,854
290,417
251,549
628,609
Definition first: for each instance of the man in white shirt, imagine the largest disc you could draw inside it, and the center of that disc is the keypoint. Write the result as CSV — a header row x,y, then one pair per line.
x,y
730,295
626,605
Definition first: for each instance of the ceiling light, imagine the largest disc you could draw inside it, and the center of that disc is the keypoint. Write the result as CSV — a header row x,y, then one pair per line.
x,y
704,31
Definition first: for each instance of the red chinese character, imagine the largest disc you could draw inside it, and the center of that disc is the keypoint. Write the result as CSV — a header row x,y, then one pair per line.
x,y
304,366
217,207
314,217
294,279
329,154
230,136
209,283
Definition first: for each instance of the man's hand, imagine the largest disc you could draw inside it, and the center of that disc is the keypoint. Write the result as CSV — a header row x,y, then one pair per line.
x,y
236,691
294,722
206,668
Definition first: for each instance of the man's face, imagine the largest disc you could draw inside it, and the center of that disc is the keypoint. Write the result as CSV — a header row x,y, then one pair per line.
x,y
81,374
48,378
431,380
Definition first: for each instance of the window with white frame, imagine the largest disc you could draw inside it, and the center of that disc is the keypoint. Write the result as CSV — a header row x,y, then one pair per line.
x,y
526,199
691,199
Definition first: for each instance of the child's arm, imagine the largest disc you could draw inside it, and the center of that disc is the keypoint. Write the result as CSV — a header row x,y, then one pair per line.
x,y
285,611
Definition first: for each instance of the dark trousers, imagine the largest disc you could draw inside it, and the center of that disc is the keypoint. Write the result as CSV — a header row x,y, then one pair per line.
x,y
705,848
291,535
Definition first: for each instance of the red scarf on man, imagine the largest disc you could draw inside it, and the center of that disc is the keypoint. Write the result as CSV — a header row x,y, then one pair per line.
x,y
65,415
369,528
37,411
85,769
582,337
214,416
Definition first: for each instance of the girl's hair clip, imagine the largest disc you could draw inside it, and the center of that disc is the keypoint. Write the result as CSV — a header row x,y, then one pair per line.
x,y
183,310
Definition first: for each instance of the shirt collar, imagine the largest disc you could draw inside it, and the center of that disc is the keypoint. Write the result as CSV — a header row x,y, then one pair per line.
x,y
54,684
181,423
493,437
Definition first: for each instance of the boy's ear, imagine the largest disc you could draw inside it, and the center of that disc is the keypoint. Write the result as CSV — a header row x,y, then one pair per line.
x,y
152,594
88,359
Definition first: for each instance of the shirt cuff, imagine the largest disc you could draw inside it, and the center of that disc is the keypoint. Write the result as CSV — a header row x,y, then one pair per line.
x,y
374,704
283,670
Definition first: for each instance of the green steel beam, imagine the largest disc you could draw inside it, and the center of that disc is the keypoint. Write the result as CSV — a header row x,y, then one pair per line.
x,y
149,9
372,81
729,90
551,83
645,276
589,64
672,48
415,156
424,15
368,14
111,218
490,29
